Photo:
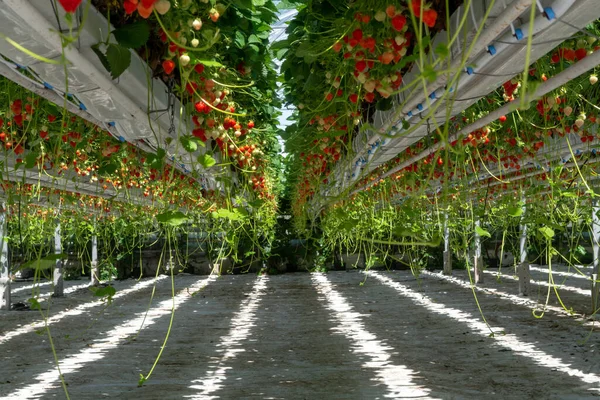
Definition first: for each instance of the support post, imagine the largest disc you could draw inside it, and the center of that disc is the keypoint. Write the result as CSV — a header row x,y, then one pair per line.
x,y
523,272
447,251
58,278
94,268
477,259
596,250
4,266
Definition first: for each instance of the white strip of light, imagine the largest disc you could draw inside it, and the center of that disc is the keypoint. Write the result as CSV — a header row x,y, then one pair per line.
x,y
77,310
519,300
509,341
546,284
68,290
561,273
232,344
397,378
49,380
26,287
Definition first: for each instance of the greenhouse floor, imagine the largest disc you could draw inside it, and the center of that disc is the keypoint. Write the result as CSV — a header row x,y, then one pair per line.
x,y
306,336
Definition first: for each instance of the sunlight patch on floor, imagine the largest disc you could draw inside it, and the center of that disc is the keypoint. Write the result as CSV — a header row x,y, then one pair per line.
x,y
112,339
397,378
77,310
508,341
235,342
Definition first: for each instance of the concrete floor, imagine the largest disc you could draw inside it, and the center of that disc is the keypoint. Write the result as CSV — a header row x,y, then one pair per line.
x,y
303,336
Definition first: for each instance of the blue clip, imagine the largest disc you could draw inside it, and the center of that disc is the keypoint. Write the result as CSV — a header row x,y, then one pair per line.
x,y
19,66
121,139
420,107
410,114
492,49
48,86
549,13
112,124
594,152
432,96
470,71
518,33
577,152
82,107
450,90
369,151
353,175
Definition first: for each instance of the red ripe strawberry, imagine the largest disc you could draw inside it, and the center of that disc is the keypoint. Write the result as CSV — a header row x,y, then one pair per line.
x,y
339,93
502,119
337,47
329,96
398,22
19,150
148,3
415,6
429,17
130,7
357,34
199,68
19,120
369,97
70,5
200,106
555,58
361,65
569,54
353,97
250,124
200,134
43,134
168,66
580,54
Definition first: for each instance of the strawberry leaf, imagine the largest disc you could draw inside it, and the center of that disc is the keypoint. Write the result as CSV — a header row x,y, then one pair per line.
x,y
189,144
482,232
206,161
210,63
101,56
173,218
119,59
134,35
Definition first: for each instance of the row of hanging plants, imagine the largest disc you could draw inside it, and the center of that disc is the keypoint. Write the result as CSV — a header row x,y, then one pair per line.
x,y
215,57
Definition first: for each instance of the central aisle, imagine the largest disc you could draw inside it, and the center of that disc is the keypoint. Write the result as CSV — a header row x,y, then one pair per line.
x,y
303,336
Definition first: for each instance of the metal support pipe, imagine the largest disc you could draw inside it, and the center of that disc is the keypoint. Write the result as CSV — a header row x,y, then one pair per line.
x,y
4,265
447,251
477,259
58,279
523,273
596,251
94,268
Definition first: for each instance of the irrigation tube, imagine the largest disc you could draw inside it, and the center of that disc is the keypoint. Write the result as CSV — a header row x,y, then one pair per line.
x,y
551,15
551,84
